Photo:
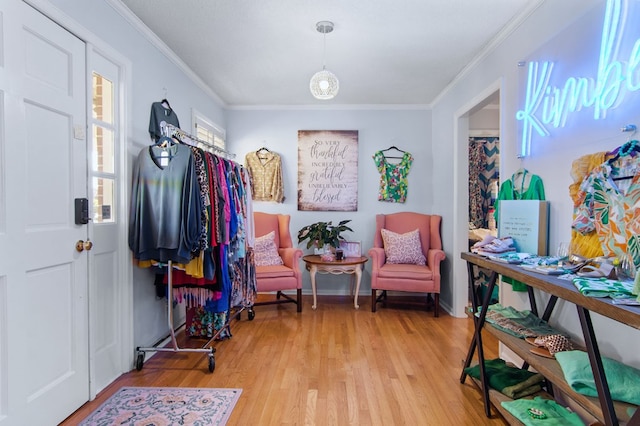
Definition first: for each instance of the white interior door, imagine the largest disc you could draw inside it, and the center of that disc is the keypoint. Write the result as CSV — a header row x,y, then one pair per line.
x,y
44,363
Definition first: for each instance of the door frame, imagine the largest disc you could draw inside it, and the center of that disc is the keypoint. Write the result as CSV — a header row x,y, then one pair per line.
x,y
95,45
461,191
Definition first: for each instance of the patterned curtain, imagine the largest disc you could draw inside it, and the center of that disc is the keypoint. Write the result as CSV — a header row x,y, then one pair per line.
x,y
484,160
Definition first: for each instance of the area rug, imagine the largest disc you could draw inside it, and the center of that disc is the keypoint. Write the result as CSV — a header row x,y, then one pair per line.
x,y
165,406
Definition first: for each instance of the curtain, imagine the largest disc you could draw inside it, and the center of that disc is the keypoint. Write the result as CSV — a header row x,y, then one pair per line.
x,y
484,160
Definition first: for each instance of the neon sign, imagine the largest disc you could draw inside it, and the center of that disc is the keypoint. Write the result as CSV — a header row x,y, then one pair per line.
x,y
547,105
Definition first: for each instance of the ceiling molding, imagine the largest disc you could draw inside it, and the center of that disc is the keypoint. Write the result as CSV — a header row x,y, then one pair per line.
x,y
490,47
137,24
333,107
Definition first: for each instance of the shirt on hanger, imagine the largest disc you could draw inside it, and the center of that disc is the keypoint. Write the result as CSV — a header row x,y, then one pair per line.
x,y
393,177
265,169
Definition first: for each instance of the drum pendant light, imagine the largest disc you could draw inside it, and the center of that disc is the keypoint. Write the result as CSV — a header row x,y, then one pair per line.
x,y
324,84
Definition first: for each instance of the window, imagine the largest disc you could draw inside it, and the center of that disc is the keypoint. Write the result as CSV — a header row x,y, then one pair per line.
x,y
103,150
205,130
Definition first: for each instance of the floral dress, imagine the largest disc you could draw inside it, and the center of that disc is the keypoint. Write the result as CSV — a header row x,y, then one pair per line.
x,y
393,177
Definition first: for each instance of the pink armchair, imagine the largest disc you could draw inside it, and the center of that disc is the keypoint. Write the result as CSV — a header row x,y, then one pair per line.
x,y
407,277
279,277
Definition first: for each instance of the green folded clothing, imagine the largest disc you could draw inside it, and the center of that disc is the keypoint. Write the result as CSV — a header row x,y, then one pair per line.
x,y
545,412
623,380
511,381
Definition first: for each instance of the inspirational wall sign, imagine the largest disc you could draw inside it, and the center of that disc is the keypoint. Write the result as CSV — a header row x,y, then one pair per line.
x,y
328,170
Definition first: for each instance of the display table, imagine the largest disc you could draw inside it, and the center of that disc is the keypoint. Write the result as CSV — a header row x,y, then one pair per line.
x,y
603,407
349,265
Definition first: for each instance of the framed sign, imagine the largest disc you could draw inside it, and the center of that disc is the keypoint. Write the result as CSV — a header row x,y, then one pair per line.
x,y
328,170
351,248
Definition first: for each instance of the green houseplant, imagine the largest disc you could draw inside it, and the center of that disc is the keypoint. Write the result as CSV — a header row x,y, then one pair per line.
x,y
321,233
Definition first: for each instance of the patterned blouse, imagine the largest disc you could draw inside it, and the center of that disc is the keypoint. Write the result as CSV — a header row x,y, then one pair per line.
x,y
266,176
610,210
393,177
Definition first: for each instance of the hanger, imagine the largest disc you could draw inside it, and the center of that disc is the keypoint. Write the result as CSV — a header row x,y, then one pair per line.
x,y
263,149
393,147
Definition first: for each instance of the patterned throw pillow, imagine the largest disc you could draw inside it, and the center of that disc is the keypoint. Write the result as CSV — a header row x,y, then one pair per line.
x,y
265,250
403,248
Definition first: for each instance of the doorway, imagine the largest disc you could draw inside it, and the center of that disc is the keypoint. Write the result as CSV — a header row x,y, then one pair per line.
x,y
487,103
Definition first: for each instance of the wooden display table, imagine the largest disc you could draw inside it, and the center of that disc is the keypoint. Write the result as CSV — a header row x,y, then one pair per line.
x,y
349,265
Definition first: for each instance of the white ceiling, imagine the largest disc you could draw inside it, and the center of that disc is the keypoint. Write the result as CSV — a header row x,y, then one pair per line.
x,y
384,52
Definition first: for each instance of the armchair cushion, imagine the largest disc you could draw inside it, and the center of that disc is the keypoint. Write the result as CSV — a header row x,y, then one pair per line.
x,y
403,248
266,251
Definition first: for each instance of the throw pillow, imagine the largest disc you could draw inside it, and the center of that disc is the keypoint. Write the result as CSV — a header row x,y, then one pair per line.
x,y
265,250
403,248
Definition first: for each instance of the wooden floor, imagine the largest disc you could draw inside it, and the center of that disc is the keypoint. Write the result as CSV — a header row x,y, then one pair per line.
x,y
332,366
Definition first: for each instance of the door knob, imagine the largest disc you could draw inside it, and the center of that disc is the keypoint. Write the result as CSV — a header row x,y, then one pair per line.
x,y
83,245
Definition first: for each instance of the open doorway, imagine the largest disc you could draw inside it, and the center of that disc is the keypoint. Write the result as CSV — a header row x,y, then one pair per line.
x,y
484,177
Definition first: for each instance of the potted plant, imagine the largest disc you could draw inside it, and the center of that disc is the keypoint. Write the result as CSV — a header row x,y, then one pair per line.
x,y
320,234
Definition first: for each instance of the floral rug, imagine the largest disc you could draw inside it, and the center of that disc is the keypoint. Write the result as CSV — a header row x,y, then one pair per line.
x,y
165,406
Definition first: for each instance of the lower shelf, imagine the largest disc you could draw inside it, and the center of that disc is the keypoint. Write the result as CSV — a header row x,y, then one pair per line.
x,y
497,398
551,370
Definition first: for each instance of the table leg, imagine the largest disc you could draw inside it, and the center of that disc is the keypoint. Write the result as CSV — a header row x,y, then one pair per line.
x,y
358,272
312,273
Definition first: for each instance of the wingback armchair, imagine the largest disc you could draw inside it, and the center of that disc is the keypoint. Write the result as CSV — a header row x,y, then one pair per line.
x,y
407,277
283,277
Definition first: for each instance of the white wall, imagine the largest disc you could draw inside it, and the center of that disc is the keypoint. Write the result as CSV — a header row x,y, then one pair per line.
x,y
410,130
151,77
548,34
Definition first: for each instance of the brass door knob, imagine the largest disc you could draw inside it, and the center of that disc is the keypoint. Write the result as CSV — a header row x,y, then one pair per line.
x,y
83,245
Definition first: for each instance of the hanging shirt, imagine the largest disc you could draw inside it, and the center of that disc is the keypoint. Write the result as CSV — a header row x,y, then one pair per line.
x,y
510,190
393,177
165,210
266,176
161,114
610,210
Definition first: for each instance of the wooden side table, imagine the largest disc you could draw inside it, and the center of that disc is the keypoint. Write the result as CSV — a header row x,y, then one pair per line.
x,y
349,265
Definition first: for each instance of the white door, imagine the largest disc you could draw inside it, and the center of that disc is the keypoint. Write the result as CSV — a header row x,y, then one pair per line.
x,y
44,363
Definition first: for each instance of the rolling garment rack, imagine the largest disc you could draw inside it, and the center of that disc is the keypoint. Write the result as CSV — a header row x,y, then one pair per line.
x,y
207,348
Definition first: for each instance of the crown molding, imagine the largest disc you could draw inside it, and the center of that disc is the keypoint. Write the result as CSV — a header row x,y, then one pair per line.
x,y
146,32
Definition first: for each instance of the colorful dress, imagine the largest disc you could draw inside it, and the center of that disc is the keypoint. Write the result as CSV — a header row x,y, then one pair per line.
x,y
610,210
393,177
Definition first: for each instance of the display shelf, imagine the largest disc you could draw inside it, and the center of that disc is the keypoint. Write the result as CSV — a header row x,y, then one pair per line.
x,y
603,408
551,370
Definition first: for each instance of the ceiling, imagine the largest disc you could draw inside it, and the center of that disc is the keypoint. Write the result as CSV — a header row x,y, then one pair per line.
x,y
384,52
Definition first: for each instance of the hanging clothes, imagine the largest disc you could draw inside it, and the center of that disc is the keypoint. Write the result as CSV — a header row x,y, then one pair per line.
x,y
484,160
265,168
522,185
587,244
164,217
393,177
161,114
611,207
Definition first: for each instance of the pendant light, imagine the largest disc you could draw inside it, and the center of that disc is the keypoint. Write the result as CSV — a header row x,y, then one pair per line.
x,y
324,84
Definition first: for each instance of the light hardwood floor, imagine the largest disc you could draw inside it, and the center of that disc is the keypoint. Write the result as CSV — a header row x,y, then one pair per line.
x,y
332,366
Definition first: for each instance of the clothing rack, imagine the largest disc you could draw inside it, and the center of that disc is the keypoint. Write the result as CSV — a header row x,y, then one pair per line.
x,y
187,139
233,312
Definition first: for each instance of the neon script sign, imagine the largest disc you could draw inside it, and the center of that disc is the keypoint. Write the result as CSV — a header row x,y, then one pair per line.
x,y
547,105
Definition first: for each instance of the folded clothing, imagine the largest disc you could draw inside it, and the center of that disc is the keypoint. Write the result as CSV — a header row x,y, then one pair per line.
x,y
511,381
540,411
520,324
603,287
623,380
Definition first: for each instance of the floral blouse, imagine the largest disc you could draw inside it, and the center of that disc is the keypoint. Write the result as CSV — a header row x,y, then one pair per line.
x,y
393,177
610,210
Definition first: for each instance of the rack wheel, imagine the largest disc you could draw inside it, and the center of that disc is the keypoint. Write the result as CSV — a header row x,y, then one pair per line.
x,y
139,361
252,314
212,363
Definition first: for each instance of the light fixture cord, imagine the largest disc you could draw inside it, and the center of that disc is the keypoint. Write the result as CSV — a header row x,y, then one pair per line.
x,y
324,48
